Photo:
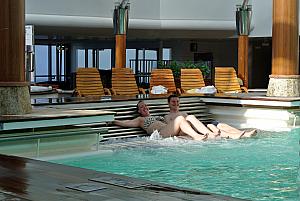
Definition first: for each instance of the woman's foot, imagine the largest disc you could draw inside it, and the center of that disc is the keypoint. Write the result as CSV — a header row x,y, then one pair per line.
x,y
201,137
250,133
214,135
232,135
237,135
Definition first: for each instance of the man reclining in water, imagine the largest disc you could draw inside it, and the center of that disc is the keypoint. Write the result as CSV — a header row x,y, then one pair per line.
x,y
212,130
177,127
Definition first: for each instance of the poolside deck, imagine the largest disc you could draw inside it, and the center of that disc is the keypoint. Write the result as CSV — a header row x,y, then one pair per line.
x,y
72,110
251,110
27,179
46,117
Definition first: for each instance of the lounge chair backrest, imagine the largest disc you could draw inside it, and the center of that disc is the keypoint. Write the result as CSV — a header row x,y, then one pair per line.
x,y
163,77
123,82
88,82
191,79
226,80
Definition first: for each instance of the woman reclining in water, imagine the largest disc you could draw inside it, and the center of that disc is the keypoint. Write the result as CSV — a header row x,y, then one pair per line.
x,y
179,126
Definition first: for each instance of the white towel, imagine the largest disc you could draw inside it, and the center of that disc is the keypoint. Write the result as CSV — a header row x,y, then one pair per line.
x,y
159,90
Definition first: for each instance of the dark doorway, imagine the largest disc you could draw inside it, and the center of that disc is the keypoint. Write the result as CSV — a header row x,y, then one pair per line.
x,y
207,59
261,63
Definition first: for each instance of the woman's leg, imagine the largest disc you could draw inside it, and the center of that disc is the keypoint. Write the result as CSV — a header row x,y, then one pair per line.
x,y
213,128
225,134
227,128
201,128
180,124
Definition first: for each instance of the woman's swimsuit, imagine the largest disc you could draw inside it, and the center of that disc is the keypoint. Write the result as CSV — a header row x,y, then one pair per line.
x,y
152,123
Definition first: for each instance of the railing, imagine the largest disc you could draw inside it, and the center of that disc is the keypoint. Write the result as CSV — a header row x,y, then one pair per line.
x,y
143,68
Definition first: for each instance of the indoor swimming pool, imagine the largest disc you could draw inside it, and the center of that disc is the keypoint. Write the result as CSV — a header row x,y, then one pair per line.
x,y
261,168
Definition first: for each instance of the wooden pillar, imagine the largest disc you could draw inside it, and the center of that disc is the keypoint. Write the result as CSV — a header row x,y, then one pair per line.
x,y
243,42
14,92
120,61
285,38
285,79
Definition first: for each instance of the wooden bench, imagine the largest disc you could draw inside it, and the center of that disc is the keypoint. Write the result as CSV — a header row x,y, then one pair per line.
x,y
127,110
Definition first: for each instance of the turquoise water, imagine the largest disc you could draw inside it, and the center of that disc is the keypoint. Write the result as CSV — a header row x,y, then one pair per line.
x,y
260,168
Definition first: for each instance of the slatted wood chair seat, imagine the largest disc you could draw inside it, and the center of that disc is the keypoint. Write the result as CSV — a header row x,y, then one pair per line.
x,y
88,83
226,80
124,83
163,77
191,79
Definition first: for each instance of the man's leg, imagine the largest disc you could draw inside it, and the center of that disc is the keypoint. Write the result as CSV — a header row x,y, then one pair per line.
x,y
200,127
180,124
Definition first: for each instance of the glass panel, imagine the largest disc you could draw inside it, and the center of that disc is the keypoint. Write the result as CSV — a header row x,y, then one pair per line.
x,y
53,65
130,55
141,54
41,59
62,70
167,54
105,59
90,58
80,57
151,57
151,54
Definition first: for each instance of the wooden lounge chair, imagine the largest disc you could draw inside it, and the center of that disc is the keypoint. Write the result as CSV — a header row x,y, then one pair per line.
x,y
88,83
191,79
124,83
165,78
226,80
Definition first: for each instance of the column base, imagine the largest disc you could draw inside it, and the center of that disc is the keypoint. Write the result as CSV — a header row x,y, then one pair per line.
x,y
14,100
284,86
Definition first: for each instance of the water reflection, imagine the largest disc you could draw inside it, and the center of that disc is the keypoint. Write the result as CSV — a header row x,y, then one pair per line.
x,y
13,176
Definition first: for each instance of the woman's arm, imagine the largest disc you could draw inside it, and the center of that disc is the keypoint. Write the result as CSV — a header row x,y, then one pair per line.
x,y
129,123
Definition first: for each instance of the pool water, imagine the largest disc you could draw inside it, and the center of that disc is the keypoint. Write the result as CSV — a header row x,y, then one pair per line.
x,y
261,168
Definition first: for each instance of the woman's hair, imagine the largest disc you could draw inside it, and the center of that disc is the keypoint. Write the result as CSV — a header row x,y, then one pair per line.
x,y
137,106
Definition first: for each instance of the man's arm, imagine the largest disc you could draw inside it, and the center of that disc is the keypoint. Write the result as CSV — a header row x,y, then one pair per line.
x,y
129,123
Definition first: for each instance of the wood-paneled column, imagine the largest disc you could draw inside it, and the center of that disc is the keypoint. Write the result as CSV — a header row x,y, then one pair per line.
x,y
120,61
285,79
14,91
243,58
243,21
120,20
